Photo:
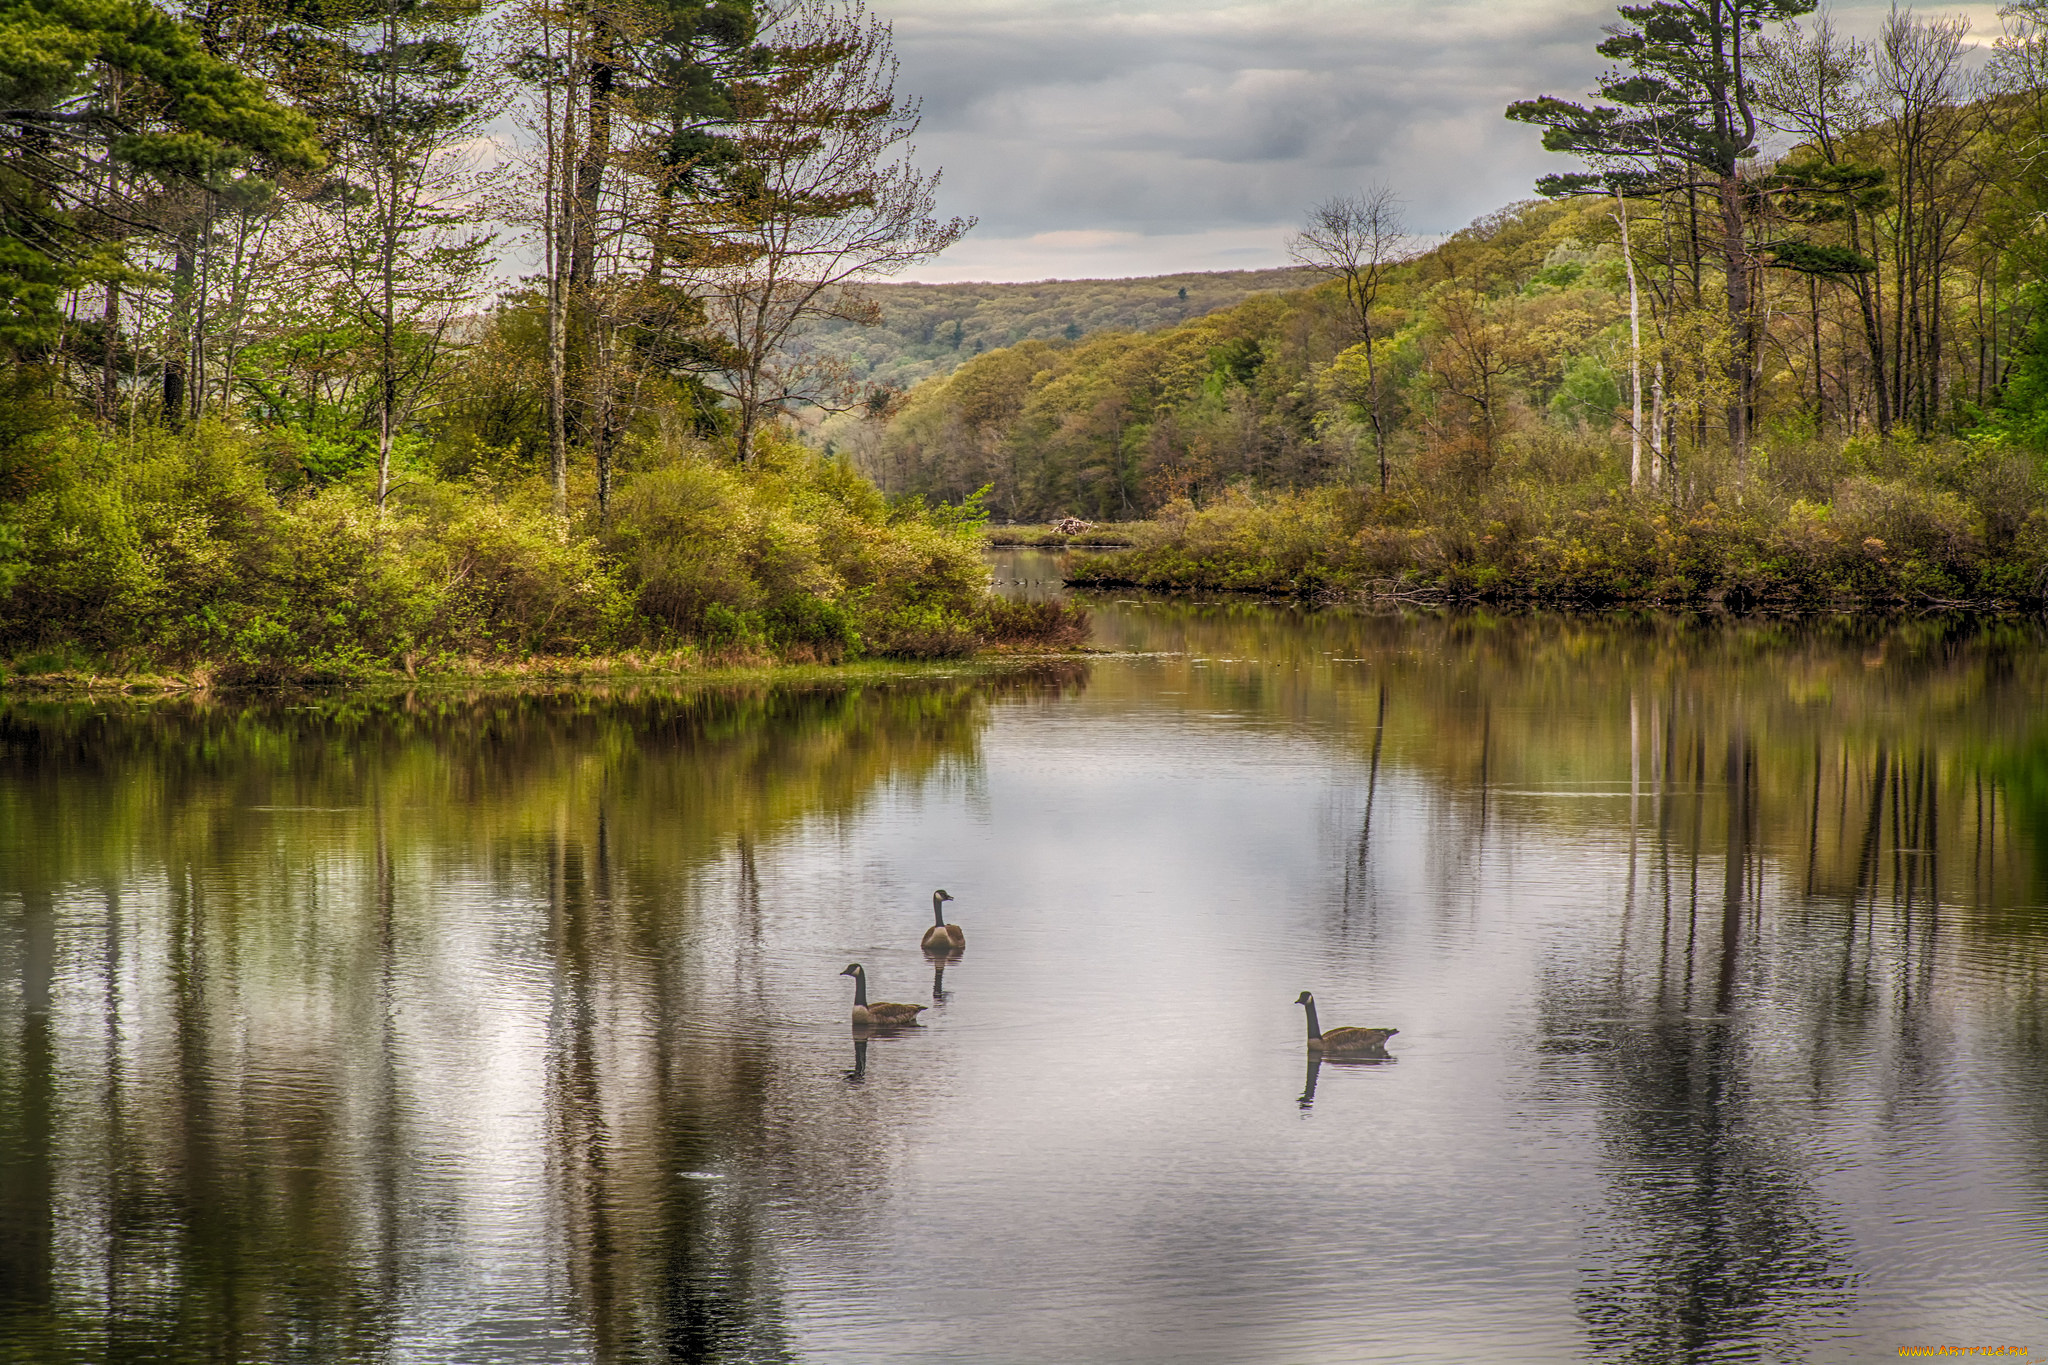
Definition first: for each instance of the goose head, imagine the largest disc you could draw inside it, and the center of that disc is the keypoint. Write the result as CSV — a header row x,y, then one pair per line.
x,y
853,969
1304,999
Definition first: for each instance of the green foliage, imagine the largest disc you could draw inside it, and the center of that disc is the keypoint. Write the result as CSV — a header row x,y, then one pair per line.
x,y
1672,100
1563,275
1057,625
2023,406
968,514
1237,361
797,554
12,558
1109,427
1589,392
1243,435
1950,524
190,550
206,118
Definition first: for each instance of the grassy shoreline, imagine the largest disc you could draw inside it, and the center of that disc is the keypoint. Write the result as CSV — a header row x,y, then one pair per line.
x,y
530,674
1422,592
1882,548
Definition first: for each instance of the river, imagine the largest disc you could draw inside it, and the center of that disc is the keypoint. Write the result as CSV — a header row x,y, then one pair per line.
x,y
492,1027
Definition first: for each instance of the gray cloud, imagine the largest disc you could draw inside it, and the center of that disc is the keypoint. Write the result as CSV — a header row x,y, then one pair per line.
x,y
1167,119
1173,120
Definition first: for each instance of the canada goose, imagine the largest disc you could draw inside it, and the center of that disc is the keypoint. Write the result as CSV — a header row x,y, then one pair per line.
x,y
1343,1042
881,1014
942,937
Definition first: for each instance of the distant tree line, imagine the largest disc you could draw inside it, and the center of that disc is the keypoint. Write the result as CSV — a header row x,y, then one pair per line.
x,y
928,330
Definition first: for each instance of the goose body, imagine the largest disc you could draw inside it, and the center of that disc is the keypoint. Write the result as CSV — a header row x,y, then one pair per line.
x,y
880,1013
942,937
1343,1042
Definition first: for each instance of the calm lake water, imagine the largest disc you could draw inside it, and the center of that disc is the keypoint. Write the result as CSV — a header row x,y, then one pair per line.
x,y
452,1028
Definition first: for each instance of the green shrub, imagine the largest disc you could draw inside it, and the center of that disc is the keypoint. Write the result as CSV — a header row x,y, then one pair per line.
x,y
1938,521
213,546
1047,625
920,632
798,553
508,581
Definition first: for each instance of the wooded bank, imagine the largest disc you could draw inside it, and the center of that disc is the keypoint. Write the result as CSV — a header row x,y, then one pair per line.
x,y
1779,338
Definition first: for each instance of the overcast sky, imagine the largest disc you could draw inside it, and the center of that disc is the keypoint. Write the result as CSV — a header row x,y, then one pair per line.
x,y
1140,137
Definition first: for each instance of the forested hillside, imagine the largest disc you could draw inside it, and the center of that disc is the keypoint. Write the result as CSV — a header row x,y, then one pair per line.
x,y
1512,333
931,329
1817,370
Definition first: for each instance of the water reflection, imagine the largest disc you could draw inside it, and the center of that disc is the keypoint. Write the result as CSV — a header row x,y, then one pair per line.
x,y
505,1028
288,975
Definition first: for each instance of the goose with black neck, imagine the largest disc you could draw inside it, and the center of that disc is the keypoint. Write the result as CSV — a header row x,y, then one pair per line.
x,y
879,1014
1369,1043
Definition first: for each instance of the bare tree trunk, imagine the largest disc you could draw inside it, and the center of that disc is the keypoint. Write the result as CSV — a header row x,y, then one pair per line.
x,y
750,379
1820,394
1741,333
585,200
1657,456
556,213
558,416
590,163
178,342
601,416
196,389
110,315
743,440
387,339
1871,304
1372,401
110,344
1635,351
387,379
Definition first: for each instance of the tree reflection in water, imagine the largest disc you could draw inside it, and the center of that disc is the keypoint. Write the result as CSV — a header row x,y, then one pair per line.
x,y
1712,1233
256,1158
446,1027
1854,783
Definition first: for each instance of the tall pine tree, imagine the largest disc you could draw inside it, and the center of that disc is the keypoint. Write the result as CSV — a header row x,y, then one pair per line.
x,y
1678,117
95,95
